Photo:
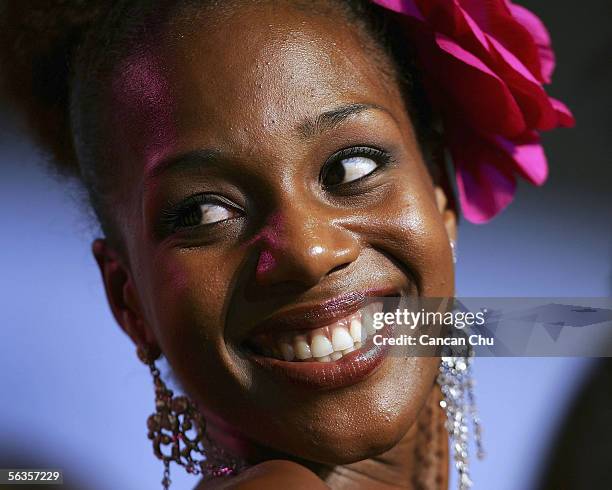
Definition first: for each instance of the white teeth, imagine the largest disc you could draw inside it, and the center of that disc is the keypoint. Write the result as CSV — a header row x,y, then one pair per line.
x,y
301,348
366,321
341,339
355,329
346,336
369,328
287,351
321,346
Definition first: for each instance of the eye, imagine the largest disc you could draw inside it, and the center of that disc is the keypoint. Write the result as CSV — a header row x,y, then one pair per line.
x,y
205,214
352,164
200,210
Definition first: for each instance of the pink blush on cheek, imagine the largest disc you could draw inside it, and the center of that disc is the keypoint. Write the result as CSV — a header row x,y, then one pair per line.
x,y
268,240
266,262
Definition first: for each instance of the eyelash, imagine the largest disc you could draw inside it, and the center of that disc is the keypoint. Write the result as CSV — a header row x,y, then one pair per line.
x,y
382,157
171,214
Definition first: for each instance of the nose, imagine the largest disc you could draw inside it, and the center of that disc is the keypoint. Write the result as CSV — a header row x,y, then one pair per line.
x,y
300,249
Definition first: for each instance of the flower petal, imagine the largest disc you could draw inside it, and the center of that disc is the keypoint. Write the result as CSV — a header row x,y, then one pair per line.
x,y
448,18
484,63
528,156
495,18
406,7
485,189
478,94
484,173
536,28
528,92
565,116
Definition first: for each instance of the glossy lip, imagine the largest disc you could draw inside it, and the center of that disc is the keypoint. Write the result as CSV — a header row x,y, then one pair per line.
x,y
308,317
347,370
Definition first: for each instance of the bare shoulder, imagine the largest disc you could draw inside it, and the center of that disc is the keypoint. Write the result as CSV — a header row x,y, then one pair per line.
x,y
275,473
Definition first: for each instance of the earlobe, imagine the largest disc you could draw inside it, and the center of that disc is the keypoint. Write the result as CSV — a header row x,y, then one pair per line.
x,y
448,214
122,297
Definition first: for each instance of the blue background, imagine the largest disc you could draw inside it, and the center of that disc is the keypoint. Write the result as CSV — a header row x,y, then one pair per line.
x,y
74,396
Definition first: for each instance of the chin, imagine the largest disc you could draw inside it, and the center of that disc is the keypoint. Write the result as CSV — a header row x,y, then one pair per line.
x,y
352,424
351,448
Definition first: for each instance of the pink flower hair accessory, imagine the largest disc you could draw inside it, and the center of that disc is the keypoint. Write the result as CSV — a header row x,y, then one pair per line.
x,y
485,64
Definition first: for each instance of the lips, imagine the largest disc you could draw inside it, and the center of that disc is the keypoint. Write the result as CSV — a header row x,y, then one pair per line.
x,y
349,369
328,345
319,314
323,344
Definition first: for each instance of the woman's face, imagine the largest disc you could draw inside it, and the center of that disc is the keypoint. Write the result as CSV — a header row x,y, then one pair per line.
x,y
271,181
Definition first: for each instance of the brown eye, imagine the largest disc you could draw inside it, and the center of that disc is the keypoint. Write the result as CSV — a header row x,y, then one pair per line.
x,y
199,210
206,214
352,164
349,169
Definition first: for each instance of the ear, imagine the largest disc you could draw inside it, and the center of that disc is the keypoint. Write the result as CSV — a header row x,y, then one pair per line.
x,y
123,298
448,213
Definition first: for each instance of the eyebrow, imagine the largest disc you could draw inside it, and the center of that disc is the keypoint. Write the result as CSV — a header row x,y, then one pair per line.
x,y
196,159
193,159
332,118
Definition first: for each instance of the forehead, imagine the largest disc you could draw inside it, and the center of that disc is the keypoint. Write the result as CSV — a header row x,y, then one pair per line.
x,y
242,77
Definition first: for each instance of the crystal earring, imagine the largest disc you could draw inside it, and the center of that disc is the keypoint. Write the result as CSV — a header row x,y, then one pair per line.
x,y
455,380
457,386
178,433
453,246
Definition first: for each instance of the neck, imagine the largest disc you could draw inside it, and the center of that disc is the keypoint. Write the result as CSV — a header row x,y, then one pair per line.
x,y
418,461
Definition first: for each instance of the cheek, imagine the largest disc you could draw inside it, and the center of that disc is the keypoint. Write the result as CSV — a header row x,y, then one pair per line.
x,y
188,298
407,226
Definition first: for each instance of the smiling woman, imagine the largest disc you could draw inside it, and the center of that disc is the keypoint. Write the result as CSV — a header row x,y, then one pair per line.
x,y
262,171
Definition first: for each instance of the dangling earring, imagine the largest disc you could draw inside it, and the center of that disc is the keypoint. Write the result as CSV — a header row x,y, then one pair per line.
x,y
455,380
178,432
453,246
457,386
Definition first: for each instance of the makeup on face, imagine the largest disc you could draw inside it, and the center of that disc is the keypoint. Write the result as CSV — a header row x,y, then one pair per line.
x,y
285,195
337,333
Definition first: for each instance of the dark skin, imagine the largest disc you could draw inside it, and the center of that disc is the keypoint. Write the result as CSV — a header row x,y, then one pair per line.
x,y
265,96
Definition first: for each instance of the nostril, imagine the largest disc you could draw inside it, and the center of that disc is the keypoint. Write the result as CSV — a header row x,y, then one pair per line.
x,y
338,268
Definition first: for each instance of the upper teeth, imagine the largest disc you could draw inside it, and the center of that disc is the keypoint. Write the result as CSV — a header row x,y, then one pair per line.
x,y
323,344
341,338
301,347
